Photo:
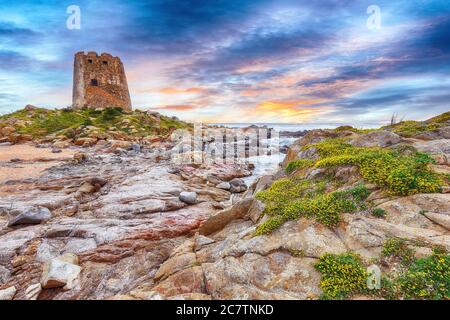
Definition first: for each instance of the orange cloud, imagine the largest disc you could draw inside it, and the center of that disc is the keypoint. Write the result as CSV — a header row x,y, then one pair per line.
x,y
177,107
171,90
296,110
258,67
250,93
285,105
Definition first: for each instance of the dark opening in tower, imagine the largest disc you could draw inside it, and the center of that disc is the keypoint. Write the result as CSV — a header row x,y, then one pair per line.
x,y
94,82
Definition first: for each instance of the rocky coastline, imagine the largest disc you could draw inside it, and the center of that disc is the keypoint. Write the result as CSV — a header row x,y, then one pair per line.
x,y
112,216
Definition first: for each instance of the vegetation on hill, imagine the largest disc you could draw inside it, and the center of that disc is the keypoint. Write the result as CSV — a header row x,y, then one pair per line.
x,y
411,128
332,175
345,275
40,122
401,172
398,171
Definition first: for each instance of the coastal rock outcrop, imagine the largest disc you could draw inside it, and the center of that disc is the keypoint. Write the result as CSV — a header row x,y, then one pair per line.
x,y
134,224
230,259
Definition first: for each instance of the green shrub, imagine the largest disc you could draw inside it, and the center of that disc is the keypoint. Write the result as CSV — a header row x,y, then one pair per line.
x,y
270,225
352,129
440,118
359,192
110,114
427,278
280,193
87,122
399,249
298,164
55,121
388,289
330,147
326,208
388,169
378,212
42,122
411,128
289,200
342,275
345,128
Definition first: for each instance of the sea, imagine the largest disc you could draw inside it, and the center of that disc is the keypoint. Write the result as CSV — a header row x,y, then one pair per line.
x,y
269,164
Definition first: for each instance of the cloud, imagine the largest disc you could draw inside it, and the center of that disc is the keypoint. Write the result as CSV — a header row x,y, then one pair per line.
x,y
15,61
243,60
180,107
193,90
11,34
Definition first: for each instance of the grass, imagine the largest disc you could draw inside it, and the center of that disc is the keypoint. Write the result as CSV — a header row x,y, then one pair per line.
x,y
352,129
427,278
298,164
289,199
378,212
391,170
401,171
398,248
43,122
411,128
342,275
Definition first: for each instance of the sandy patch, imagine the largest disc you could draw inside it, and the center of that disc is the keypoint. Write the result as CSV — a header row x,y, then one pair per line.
x,y
33,161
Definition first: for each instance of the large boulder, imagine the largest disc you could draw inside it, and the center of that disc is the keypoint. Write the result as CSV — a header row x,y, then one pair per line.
x,y
8,293
19,138
119,144
33,215
379,138
61,144
61,272
85,142
30,107
32,291
441,133
237,185
314,136
188,197
219,220
136,147
224,185
438,149
6,131
80,157
5,274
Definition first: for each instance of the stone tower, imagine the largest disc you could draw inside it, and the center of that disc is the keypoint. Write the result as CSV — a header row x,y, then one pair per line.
x,y
99,82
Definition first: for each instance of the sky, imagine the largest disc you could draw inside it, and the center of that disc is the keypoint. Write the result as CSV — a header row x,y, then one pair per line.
x,y
254,61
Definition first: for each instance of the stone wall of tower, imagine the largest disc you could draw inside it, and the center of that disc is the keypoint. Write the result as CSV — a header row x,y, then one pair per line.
x,y
99,81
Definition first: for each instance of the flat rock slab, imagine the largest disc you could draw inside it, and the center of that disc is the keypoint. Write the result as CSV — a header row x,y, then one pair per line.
x,y
8,293
33,215
59,273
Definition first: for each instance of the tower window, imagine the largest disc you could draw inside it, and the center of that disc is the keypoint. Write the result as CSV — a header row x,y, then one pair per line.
x,y
94,82
90,60
105,62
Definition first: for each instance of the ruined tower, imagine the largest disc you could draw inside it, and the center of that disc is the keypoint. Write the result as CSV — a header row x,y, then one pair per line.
x,y
99,82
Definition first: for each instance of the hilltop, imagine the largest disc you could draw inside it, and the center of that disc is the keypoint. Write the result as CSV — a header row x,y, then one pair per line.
x,y
87,126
